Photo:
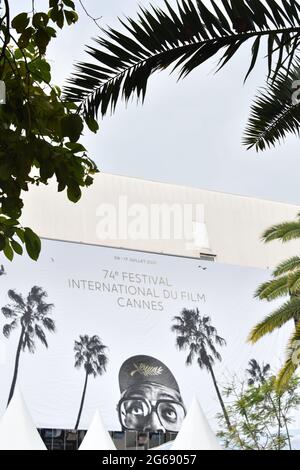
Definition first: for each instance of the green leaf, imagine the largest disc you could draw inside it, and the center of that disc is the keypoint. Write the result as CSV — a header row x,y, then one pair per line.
x,y
32,243
2,241
75,147
74,192
46,170
42,39
17,247
40,70
88,181
72,127
53,13
92,124
60,19
40,20
69,3
8,251
61,186
20,22
8,222
20,234
255,49
71,16
51,31
25,37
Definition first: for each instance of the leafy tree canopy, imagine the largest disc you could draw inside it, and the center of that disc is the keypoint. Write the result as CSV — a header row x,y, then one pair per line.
x,y
261,416
39,132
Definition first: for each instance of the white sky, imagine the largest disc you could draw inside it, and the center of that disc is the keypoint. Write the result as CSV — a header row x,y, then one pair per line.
x,y
188,132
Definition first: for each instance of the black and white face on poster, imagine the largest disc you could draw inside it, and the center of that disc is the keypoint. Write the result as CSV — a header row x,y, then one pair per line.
x,y
89,328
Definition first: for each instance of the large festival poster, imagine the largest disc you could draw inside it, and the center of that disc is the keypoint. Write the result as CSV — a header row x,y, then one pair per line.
x,y
89,327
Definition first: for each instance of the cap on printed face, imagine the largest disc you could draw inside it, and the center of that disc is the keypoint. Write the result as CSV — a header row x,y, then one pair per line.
x,y
145,369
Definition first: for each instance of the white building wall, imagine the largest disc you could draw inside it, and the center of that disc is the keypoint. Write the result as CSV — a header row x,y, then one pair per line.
x,y
234,223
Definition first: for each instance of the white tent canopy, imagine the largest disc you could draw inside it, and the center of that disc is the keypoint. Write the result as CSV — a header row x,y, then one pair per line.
x,y
17,430
97,438
195,433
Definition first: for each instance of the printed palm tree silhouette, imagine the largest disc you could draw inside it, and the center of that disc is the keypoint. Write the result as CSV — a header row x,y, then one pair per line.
x,y
197,334
32,315
257,373
89,353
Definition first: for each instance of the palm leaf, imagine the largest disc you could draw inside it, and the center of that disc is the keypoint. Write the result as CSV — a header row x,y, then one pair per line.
x,y
184,37
9,327
274,114
8,312
292,361
182,341
294,283
17,298
285,374
28,343
286,312
286,266
49,324
273,289
36,296
285,232
41,335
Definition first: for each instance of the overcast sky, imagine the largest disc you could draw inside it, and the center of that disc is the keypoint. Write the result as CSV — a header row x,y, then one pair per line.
x,y
187,133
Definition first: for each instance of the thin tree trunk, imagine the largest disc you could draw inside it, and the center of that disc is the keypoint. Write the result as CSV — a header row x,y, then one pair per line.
x,y
287,432
220,398
82,401
14,380
279,424
258,447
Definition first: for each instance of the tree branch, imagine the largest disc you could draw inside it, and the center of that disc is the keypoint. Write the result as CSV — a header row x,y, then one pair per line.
x,y
90,16
7,32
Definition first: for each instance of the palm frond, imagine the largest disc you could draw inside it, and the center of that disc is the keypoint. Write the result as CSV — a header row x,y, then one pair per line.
x,y
266,369
28,343
274,113
285,374
36,295
185,38
285,232
8,312
286,266
220,341
44,309
273,289
286,312
294,283
200,362
292,361
79,361
182,342
41,335
9,327
49,324
17,298
191,354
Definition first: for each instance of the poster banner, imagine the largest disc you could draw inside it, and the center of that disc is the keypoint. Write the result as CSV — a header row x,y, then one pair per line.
x,y
90,327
